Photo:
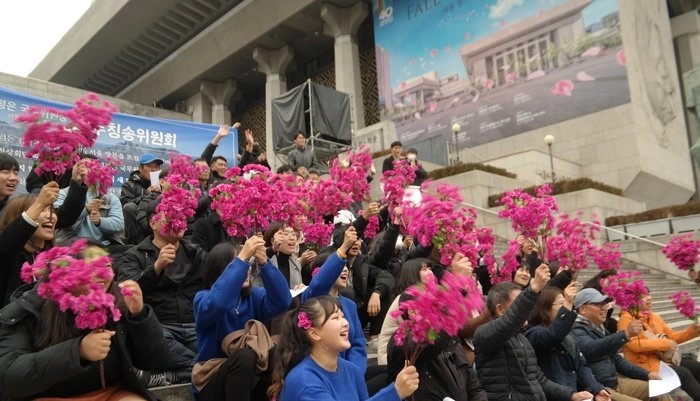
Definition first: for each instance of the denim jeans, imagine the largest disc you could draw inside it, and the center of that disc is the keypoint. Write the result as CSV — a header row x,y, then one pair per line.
x,y
182,348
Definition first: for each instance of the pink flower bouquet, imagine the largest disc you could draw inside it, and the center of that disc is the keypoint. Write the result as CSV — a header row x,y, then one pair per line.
x,y
435,308
627,289
685,304
74,284
683,251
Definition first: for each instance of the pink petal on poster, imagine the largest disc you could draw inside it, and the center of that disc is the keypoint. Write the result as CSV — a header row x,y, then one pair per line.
x,y
584,77
621,58
593,51
563,88
535,75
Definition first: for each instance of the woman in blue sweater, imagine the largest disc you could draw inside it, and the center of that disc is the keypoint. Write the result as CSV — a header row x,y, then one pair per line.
x,y
228,303
308,366
332,275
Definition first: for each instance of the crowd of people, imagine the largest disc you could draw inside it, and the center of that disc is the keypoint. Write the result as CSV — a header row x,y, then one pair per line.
x,y
268,317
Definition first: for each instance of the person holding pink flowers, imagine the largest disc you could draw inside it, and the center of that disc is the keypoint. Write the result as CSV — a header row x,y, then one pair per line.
x,y
28,224
309,367
644,350
45,356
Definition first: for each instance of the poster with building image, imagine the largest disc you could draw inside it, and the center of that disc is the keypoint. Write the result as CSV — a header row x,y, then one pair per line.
x,y
495,67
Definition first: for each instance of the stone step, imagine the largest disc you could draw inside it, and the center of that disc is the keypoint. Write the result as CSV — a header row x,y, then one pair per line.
x,y
175,392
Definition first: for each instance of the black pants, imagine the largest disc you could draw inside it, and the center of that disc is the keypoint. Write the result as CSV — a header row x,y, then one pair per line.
x,y
689,373
376,378
236,379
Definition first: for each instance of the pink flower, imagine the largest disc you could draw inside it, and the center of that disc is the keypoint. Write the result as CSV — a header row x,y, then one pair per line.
x,y
531,216
440,222
179,197
100,177
685,304
395,183
303,321
563,87
573,244
74,284
683,251
627,289
55,136
437,307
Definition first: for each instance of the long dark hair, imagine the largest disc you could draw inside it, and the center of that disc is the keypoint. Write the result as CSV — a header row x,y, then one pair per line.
x,y
540,314
294,345
410,274
219,259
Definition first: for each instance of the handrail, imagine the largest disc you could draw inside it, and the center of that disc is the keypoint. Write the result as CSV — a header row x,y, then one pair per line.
x,y
660,245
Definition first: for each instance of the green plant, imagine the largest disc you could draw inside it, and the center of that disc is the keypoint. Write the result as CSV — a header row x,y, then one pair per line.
x,y
464,167
562,187
685,209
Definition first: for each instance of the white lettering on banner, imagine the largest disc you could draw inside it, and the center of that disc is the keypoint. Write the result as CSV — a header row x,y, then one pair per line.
x,y
156,137
128,134
142,135
113,130
170,139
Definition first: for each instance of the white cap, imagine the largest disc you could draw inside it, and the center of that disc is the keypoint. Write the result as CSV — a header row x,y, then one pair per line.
x,y
343,217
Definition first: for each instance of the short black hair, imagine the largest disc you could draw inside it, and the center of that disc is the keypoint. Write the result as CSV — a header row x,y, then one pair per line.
x,y
8,162
285,168
299,133
500,294
412,150
396,143
215,158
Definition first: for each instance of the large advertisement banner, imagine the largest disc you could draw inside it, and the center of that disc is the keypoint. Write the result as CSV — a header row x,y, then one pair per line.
x,y
126,138
495,67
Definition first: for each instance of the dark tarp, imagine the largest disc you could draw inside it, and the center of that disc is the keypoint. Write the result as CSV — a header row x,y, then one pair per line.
x,y
288,117
331,113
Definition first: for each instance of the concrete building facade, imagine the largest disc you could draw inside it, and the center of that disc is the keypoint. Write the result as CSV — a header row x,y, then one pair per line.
x,y
216,60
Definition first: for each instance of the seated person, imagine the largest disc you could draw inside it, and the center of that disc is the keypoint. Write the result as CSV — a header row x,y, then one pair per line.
x,y
168,269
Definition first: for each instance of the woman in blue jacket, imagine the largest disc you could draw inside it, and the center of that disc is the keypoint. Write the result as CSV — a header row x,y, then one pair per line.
x,y
228,303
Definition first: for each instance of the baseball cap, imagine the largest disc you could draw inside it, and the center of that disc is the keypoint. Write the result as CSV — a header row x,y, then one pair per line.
x,y
149,158
590,296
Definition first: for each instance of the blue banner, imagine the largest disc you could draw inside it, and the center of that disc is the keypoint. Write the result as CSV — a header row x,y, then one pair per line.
x,y
126,138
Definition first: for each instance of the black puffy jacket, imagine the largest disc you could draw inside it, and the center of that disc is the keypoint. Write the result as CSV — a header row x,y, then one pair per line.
x,y
28,372
506,362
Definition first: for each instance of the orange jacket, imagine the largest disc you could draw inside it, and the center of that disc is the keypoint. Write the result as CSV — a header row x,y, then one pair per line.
x,y
641,350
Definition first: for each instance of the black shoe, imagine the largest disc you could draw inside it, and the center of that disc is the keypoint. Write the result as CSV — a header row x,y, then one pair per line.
x,y
156,379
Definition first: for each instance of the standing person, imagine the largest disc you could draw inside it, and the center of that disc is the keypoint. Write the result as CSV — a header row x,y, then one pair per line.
x,y
225,305
133,191
44,356
168,269
388,163
302,155
218,164
643,351
622,379
505,361
549,332
421,174
308,366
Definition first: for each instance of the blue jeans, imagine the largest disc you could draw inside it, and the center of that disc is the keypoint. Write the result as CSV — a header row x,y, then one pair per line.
x,y
182,347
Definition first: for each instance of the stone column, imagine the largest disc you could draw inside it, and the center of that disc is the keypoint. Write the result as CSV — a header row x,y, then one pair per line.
x,y
342,24
685,29
272,63
201,108
219,94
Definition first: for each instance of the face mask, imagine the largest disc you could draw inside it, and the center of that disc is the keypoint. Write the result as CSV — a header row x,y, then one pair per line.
x,y
411,156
